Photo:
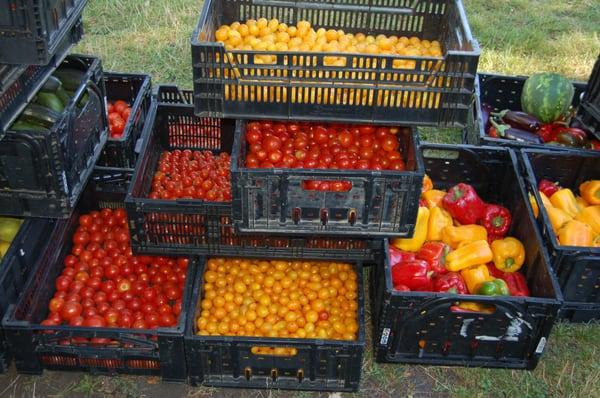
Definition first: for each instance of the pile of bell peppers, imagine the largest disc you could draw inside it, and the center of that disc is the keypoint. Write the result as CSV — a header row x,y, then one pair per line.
x,y
574,219
460,246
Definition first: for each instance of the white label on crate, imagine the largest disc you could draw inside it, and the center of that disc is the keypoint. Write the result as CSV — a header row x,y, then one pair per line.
x,y
541,346
385,335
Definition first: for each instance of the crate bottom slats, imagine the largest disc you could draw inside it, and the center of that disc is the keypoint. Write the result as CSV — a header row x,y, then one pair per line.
x,y
229,361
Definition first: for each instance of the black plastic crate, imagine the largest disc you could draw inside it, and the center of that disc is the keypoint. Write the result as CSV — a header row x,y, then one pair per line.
x,y
136,90
42,174
200,227
435,91
32,30
131,351
228,361
171,94
421,328
589,111
379,204
577,268
15,268
504,92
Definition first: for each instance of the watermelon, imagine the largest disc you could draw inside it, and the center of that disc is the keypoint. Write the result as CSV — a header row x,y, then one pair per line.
x,y
547,96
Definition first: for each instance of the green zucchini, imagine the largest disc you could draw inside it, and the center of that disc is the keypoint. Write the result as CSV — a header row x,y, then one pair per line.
x,y
51,85
21,125
39,115
50,101
71,78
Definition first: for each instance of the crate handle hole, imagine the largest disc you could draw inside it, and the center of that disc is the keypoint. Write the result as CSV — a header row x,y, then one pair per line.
x,y
300,375
469,307
324,216
296,215
327,186
274,374
352,217
274,351
248,373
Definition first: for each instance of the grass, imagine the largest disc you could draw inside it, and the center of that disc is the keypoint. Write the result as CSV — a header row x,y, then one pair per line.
x,y
516,37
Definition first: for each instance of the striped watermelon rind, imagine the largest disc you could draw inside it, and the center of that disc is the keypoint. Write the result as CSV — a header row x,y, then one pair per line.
x,y
547,96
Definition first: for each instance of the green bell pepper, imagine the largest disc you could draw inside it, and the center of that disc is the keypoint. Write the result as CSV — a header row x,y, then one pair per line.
x,y
495,287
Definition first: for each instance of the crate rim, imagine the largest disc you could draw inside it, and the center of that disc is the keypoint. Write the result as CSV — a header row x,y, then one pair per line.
x,y
146,85
294,4
585,252
263,341
517,145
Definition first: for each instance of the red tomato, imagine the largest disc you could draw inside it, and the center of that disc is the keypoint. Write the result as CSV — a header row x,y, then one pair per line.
x,y
152,319
70,261
94,321
81,238
82,276
76,321
89,312
56,305
177,308
102,308
108,287
120,106
139,324
111,317
100,297
70,310
63,283
125,320
167,320
111,272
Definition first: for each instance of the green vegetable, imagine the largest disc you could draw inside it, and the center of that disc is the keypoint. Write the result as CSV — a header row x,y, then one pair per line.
x,y
9,228
50,101
39,115
547,96
21,125
71,78
51,85
495,287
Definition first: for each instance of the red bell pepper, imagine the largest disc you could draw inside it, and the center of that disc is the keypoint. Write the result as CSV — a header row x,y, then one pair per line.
x,y
595,145
422,203
435,255
398,256
401,288
463,204
548,187
452,282
516,282
414,274
492,238
549,131
496,220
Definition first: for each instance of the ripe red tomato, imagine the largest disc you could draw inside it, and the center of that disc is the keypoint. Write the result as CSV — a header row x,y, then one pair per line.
x,y
167,320
152,319
71,309
139,324
111,317
94,321
56,305
63,283
76,321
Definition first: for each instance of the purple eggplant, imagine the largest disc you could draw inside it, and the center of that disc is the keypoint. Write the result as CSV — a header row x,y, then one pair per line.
x,y
486,112
512,133
519,120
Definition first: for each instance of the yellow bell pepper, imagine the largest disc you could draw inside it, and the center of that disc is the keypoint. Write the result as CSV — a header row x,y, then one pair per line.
x,y
414,244
453,236
581,202
427,184
597,241
558,217
590,191
590,216
474,253
565,200
534,205
475,307
575,233
545,200
475,276
509,254
438,220
433,198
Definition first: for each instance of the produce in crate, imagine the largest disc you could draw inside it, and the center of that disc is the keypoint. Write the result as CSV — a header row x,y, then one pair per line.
x,y
574,219
193,175
118,115
104,285
9,227
50,101
547,116
279,298
472,257
323,146
270,35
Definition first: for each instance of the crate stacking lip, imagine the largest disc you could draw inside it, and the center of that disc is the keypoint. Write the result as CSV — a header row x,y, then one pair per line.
x,y
376,89
504,92
228,361
34,31
380,202
422,328
200,227
129,351
577,268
